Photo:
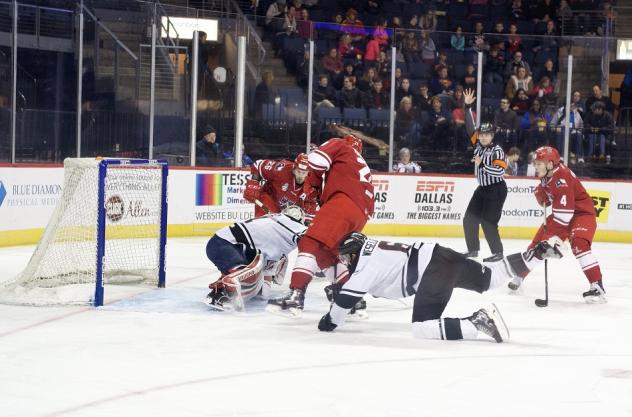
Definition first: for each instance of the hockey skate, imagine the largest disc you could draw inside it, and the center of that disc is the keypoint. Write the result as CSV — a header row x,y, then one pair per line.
x,y
515,283
359,311
293,302
596,294
218,298
490,322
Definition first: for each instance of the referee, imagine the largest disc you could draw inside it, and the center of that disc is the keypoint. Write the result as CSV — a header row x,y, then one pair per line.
x,y
486,205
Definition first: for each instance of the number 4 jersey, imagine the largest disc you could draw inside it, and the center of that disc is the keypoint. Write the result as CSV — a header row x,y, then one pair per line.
x,y
567,197
345,171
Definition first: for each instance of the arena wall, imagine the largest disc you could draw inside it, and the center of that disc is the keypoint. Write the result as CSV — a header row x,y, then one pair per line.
x,y
203,200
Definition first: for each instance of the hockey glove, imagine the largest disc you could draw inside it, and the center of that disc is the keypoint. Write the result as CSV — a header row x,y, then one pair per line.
x,y
252,191
542,197
325,324
549,249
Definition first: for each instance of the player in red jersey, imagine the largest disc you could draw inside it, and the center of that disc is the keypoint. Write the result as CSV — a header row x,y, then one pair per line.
x,y
283,186
573,218
346,203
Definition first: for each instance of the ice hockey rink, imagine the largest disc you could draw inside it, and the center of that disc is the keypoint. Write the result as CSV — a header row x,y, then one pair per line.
x,y
162,352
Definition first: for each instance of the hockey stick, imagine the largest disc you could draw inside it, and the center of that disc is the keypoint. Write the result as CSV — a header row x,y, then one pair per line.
x,y
538,301
262,206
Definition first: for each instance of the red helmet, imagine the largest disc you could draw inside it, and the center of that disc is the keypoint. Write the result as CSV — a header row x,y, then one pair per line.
x,y
354,142
547,153
301,162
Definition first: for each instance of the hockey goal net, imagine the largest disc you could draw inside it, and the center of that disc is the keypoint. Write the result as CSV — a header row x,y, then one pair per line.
x,y
109,227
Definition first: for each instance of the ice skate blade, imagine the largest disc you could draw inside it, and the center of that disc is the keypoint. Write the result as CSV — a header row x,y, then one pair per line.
x,y
500,322
217,307
359,315
596,300
294,313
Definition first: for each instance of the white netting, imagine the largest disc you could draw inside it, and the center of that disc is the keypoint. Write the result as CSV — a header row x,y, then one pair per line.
x,y
62,269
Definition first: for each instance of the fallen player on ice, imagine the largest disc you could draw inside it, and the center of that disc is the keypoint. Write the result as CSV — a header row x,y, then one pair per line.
x,y
427,271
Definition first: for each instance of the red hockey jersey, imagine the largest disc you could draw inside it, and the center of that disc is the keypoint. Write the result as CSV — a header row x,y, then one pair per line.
x,y
280,184
567,197
338,168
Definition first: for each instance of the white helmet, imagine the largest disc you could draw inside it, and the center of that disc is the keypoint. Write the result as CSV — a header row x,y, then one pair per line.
x,y
295,213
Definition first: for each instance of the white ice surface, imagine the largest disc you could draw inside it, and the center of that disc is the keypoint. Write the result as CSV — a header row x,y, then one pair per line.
x,y
164,353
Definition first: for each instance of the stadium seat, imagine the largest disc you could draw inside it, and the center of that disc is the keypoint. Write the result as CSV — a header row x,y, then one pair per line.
x,y
420,70
329,115
355,117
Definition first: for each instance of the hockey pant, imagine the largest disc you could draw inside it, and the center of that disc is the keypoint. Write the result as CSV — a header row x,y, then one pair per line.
x,y
580,233
318,249
448,270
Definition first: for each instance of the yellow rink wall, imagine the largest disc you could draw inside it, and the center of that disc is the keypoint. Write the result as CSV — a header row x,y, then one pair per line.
x,y
204,200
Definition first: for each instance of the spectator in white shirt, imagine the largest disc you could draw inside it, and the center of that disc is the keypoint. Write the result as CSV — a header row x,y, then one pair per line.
x,y
405,165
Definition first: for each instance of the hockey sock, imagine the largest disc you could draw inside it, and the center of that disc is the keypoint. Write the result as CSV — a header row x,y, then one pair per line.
x,y
588,261
303,271
445,329
312,257
501,273
523,263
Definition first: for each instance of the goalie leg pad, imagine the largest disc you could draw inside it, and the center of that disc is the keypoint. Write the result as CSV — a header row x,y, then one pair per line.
x,y
247,281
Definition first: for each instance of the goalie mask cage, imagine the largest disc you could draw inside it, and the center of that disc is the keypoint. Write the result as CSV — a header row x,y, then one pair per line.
x,y
109,227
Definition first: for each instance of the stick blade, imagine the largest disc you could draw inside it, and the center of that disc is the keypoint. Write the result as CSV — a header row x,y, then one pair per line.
x,y
541,303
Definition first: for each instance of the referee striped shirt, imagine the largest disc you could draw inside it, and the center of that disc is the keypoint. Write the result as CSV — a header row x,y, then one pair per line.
x,y
491,170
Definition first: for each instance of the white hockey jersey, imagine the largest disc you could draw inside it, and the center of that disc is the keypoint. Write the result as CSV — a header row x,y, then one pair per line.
x,y
389,270
275,235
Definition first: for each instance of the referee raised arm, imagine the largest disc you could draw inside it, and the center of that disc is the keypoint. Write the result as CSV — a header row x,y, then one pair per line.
x,y
486,205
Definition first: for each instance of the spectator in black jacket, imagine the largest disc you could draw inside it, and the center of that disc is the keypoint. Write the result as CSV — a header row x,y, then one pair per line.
x,y
377,98
208,151
324,95
598,96
600,126
421,100
506,123
350,96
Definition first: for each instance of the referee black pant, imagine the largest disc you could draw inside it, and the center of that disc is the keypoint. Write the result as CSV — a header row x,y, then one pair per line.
x,y
485,209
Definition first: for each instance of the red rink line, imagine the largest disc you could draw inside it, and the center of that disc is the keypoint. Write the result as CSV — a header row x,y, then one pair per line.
x,y
85,309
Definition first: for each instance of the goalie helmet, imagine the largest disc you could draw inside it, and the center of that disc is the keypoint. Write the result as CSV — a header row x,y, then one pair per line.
x,y
352,244
355,142
547,153
294,213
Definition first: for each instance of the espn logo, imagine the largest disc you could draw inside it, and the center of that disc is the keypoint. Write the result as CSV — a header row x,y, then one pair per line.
x,y
380,185
435,186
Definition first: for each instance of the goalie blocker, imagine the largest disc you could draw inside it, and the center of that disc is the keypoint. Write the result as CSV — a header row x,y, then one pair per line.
x,y
251,256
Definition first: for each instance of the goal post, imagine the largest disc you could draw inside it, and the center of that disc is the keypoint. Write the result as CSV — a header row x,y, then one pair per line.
x,y
109,227
101,219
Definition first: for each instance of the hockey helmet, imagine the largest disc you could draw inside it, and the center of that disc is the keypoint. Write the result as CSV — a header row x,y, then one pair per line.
x,y
352,244
486,128
295,213
547,153
355,142
301,162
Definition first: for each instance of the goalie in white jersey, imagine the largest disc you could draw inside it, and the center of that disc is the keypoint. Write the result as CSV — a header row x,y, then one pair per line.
x,y
427,271
251,255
